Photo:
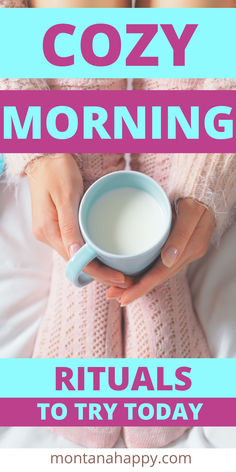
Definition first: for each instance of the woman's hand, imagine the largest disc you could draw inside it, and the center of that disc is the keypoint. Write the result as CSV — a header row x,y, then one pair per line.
x,y
189,240
56,188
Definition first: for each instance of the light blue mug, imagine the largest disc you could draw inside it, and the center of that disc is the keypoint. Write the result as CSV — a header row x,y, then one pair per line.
x,y
128,265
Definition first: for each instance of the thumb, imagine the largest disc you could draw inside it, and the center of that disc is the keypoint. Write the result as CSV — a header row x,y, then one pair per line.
x,y
189,214
69,227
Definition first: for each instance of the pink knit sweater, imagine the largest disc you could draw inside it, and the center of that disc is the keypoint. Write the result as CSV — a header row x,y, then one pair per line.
x,y
208,178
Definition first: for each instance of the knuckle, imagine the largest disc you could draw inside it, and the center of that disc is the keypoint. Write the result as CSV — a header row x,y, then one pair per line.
x,y
60,198
67,228
70,195
65,200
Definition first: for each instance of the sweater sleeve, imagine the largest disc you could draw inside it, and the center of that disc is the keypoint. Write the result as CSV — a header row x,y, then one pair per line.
x,y
16,163
207,178
211,180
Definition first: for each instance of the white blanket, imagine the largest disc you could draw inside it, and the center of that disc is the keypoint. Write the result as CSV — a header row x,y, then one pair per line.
x,y
25,266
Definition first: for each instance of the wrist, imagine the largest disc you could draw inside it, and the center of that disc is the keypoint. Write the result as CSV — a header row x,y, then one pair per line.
x,y
195,203
39,160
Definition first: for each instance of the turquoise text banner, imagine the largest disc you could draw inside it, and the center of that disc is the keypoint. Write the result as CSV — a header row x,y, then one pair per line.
x,y
36,378
209,53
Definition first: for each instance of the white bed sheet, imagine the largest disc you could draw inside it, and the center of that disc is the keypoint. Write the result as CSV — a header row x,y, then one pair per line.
x,y
25,266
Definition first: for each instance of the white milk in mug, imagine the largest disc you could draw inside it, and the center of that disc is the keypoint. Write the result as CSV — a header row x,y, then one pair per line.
x,y
126,221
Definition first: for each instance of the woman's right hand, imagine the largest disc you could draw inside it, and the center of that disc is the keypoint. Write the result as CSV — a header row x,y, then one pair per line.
x,y
56,188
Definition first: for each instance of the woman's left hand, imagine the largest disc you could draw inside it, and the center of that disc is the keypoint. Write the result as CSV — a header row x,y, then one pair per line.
x,y
188,241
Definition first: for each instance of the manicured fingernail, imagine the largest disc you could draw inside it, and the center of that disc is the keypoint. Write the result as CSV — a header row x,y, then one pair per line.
x,y
73,249
170,255
123,302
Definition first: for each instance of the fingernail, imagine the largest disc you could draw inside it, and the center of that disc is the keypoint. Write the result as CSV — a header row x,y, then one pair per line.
x,y
123,302
73,249
170,255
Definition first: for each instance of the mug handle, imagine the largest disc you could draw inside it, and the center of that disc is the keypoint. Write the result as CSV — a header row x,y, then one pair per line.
x,y
74,268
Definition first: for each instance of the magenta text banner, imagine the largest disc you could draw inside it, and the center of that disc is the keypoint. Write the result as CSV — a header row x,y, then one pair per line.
x,y
117,121
118,412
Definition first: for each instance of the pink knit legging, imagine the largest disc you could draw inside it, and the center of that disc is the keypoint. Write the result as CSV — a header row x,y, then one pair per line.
x,y
81,323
